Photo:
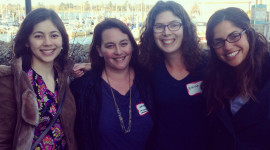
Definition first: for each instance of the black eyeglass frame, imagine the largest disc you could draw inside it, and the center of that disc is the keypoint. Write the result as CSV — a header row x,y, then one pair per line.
x,y
227,39
168,26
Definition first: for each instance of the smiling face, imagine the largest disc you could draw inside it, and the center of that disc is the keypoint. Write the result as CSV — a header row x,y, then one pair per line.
x,y
168,41
231,53
116,49
45,43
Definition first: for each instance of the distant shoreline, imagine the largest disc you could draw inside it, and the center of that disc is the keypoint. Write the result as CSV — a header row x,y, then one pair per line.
x,y
78,52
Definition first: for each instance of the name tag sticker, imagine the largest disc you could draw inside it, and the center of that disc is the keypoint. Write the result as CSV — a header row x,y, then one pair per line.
x,y
194,88
142,110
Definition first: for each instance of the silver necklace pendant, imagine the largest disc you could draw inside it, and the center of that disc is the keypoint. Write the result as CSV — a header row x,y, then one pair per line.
x,y
118,110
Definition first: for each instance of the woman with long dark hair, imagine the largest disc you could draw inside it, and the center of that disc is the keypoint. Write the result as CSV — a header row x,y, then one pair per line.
x,y
170,51
37,108
237,84
114,99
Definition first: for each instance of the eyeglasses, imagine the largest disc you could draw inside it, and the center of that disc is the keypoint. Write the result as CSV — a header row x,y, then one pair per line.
x,y
231,38
158,28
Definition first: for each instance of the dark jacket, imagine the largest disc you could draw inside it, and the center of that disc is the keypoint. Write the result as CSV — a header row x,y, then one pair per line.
x,y
19,114
87,92
249,129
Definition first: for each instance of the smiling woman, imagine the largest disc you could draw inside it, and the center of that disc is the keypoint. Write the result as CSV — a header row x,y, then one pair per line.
x,y
176,65
34,88
237,83
114,99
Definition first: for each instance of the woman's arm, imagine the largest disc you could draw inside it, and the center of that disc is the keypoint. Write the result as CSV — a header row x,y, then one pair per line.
x,y
8,112
80,68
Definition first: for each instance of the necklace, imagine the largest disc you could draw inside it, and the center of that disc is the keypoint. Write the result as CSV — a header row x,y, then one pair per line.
x,y
118,110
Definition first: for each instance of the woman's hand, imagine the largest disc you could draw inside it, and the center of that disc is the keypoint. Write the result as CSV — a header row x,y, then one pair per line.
x,y
80,68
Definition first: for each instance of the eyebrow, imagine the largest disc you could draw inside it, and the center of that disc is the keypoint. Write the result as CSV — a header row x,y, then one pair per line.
x,y
125,40
114,43
43,32
173,21
227,35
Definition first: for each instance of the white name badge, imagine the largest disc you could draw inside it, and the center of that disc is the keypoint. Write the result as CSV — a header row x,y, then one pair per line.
x,y
194,88
142,110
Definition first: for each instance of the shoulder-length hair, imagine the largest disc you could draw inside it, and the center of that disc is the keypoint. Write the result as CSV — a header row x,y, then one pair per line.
x,y
151,54
223,83
22,37
97,62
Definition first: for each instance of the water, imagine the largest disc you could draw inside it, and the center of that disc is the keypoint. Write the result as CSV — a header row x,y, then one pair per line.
x,y
75,40
6,37
81,40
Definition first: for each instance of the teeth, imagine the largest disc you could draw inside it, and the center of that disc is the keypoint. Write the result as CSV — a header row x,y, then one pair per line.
x,y
47,52
167,41
232,54
120,59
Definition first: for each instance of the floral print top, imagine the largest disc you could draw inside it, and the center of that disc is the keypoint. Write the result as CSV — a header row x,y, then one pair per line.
x,y
47,105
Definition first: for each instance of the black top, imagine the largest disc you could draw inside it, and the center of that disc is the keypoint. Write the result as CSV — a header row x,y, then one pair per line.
x,y
87,91
111,135
180,108
249,128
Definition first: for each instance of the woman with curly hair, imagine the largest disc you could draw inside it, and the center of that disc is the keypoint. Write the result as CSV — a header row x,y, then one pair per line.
x,y
237,84
170,52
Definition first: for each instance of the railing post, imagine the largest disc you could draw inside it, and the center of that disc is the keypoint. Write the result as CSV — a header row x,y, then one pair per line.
x,y
28,6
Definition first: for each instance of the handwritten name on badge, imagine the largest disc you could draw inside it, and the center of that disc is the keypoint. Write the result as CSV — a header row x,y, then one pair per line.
x,y
194,88
142,110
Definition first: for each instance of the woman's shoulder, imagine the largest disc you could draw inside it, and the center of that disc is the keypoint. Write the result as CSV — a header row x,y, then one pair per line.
x,y
266,68
5,71
6,79
141,73
88,79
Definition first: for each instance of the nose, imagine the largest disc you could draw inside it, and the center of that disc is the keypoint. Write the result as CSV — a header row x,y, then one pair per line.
x,y
228,45
47,40
118,50
166,30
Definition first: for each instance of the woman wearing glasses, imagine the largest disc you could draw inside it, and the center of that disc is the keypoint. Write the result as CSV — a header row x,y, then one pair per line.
x,y
175,63
237,84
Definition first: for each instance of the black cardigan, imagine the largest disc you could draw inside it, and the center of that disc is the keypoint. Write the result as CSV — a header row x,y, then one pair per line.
x,y
87,93
249,129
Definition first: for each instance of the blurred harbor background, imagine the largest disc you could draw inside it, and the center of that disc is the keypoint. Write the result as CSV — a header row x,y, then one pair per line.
x,y
81,16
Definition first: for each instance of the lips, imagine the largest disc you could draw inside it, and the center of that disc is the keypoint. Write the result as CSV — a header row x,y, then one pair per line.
x,y
47,52
167,41
120,59
232,54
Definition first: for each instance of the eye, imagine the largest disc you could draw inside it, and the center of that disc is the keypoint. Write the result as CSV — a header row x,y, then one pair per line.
x,y
174,25
55,35
123,44
158,26
233,36
38,36
218,43
109,46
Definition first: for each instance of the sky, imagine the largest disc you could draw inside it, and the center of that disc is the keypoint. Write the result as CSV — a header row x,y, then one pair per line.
x,y
183,2
206,9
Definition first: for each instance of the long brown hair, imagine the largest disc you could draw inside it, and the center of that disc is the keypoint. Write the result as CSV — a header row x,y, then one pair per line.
x,y
151,54
22,37
222,82
97,62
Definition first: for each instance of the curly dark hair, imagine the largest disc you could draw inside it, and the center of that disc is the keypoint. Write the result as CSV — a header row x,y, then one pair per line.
x,y
152,54
223,83
22,37
97,62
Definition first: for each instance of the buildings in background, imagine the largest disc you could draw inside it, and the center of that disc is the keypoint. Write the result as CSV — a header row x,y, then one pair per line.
x,y
80,19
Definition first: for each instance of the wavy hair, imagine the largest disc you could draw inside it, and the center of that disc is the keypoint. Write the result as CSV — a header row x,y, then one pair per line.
x,y
22,37
223,82
152,54
97,62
